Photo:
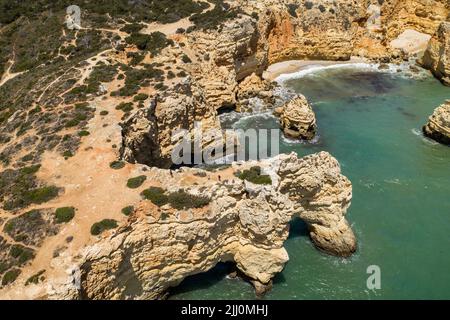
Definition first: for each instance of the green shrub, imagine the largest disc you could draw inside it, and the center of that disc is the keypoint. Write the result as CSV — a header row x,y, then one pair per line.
x,y
153,42
140,97
67,154
170,75
183,200
10,277
136,182
117,165
36,278
186,59
212,19
64,215
125,106
254,175
132,28
156,195
72,123
83,133
100,227
104,113
41,195
128,210
21,253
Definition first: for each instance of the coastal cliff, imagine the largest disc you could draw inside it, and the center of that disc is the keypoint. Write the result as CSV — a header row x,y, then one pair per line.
x,y
97,115
437,56
243,222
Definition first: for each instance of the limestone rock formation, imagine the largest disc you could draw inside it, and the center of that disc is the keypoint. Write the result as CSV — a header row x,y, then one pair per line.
x,y
438,126
147,135
243,223
298,119
254,93
437,56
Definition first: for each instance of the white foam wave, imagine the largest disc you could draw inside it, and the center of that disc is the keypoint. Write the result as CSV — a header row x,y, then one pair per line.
x,y
425,139
403,70
317,68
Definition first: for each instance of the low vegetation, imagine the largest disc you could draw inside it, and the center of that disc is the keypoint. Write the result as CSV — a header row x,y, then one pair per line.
x,y
64,215
20,188
102,226
153,42
117,165
213,19
10,276
156,195
36,278
136,182
180,200
254,175
127,211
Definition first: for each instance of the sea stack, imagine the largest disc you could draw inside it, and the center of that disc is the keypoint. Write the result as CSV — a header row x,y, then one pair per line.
x,y
298,119
438,126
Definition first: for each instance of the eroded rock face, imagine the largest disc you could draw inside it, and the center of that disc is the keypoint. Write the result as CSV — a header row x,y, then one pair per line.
x,y
438,126
437,56
244,223
255,93
298,119
148,134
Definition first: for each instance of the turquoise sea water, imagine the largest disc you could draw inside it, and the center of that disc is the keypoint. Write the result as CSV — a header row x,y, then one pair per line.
x,y
370,121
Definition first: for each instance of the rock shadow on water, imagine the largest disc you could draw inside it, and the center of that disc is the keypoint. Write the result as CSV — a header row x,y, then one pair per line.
x,y
204,280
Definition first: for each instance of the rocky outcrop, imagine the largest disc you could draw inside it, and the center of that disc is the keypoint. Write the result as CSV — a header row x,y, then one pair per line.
x,y
437,56
297,118
243,223
255,94
438,126
147,135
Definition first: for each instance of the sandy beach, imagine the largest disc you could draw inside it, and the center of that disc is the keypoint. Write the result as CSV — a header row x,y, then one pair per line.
x,y
291,66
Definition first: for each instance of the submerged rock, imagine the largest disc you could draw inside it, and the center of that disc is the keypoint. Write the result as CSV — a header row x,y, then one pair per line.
x,y
298,119
438,126
437,56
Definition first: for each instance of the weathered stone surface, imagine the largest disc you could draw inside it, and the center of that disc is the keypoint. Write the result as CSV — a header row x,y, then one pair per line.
x,y
151,253
255,94
298,119
438,126
437,56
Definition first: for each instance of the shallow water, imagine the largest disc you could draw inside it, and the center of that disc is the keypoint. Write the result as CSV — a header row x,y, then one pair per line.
x,y
371,122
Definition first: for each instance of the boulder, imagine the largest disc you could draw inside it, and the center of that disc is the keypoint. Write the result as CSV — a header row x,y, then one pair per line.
x,y
298,119
438,126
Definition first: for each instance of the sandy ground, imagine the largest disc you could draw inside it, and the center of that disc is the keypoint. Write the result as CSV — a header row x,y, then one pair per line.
x,y
292,66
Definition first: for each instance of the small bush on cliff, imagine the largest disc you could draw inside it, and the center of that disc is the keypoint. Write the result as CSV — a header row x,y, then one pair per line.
x,y
140,97
183,200
100,227
254,175
128,210
136,182
10,277
156,195
36,278
64,215
117,165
